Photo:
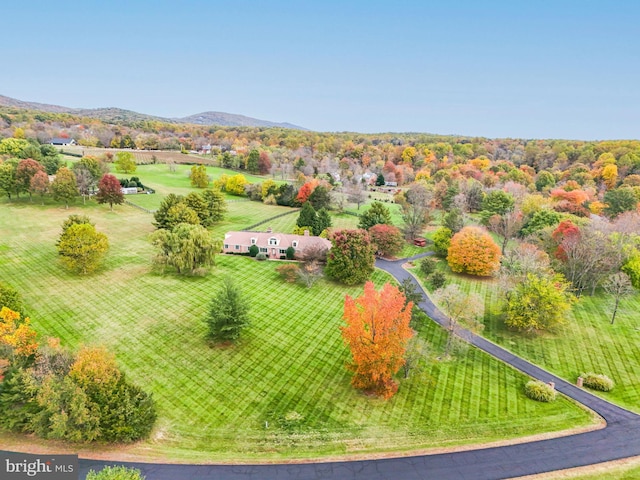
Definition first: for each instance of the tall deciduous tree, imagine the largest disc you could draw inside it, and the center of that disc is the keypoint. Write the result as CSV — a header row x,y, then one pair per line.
x,y
496,202
351,258
25,171
462,310
82,248
186,247
199,177
377,333
7,178
125,163
618,285
387,239
39,184
537,303
473,251
64,187
416,211
109,191
228,312
506,225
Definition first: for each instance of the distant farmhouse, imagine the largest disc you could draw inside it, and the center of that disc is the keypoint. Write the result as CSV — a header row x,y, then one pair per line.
x,y
62,141
273,245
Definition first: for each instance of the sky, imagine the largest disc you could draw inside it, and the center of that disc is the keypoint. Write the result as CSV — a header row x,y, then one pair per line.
x,y
527,69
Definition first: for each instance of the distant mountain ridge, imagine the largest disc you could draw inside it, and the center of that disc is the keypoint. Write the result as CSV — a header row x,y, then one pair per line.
x,y
121,115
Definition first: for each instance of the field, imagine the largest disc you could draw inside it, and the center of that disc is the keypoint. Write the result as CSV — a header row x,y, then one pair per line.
x,y
586,343
282,391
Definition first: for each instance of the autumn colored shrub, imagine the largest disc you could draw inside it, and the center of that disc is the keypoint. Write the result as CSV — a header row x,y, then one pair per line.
x,y
473,251
288,272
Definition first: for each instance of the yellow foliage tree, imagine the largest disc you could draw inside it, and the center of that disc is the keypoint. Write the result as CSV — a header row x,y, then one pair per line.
x,y
610,175
473,251
16,334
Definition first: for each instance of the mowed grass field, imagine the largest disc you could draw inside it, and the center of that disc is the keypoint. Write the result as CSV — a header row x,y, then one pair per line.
x,y
586,343
282,392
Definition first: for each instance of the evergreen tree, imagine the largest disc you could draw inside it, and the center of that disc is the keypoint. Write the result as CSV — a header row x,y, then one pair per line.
x,y
228,313
323,221
376,214
307,215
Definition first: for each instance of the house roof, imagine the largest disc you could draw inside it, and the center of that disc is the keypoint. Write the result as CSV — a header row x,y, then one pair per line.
x,y
61,140
284,240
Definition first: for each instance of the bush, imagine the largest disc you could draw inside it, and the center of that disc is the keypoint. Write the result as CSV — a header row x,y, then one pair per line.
x,y
261,256
540,391
116,473
290,253
253,250
597,381
437,279
288,272
428,266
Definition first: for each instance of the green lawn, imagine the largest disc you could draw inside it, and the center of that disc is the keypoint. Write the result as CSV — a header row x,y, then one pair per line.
x,y
237,402
587,342
164,181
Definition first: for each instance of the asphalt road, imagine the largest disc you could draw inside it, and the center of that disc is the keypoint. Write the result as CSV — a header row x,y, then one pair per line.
x,y
620,439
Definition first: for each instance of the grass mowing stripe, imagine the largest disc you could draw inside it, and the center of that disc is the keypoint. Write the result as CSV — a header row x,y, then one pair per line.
x,y
213,401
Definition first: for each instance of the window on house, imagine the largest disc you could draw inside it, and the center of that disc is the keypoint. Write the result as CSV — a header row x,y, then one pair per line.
x,y
237,247
294,244
273,241
226,245
264,249
282,251
253,241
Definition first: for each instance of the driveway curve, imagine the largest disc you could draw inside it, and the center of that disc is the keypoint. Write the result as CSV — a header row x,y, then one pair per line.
x,y
619,439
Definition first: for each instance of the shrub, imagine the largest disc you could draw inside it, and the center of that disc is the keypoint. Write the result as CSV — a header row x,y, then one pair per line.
x,y
437,279
261,256
253,250
288,272
442,241
291,253
597,381
116,473
428,266
540,391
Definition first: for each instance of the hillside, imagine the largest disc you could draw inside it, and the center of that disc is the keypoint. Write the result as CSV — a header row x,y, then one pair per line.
x,y
115,115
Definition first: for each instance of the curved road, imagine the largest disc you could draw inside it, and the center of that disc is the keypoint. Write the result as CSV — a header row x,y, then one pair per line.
x,y
619,439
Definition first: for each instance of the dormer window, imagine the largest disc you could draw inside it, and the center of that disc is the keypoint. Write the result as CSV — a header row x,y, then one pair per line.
x,y
294,244
253,241
273,241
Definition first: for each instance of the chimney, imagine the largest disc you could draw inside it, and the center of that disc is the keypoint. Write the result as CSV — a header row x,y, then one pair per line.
x,y
269,230
306,233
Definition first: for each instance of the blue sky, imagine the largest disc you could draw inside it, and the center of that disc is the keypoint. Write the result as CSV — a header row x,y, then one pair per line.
x,y
543,69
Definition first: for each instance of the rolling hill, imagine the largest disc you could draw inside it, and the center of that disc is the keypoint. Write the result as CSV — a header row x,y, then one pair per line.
x,y
112,115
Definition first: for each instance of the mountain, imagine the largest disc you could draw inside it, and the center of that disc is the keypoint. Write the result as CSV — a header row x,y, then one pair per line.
x,y
117,115
232,120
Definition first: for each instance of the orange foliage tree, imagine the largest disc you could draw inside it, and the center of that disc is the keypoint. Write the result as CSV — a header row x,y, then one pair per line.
x,y
16,334
473,251
377,332
306,190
